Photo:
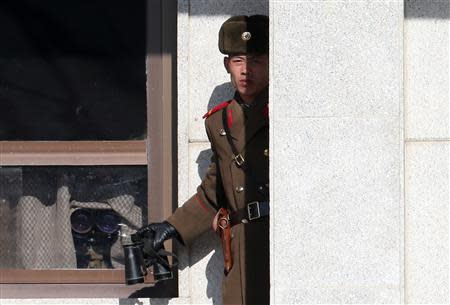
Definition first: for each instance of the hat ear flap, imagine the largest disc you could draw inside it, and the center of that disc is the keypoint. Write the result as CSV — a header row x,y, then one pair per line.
x,y
221,46
226,63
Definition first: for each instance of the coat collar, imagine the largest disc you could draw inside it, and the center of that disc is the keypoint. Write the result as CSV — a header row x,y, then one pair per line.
x,y
260,100
246,121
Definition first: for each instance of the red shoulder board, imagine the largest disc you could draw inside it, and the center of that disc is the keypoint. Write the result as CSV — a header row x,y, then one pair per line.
x,y
217,108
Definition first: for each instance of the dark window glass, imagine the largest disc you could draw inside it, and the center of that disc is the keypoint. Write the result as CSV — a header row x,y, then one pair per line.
x,y
72,70
55,217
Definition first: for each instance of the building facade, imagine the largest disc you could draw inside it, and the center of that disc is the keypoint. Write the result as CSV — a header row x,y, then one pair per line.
x,y
360,155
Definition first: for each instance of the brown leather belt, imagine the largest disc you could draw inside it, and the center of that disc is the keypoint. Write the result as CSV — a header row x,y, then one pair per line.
x,y
253,211
223,221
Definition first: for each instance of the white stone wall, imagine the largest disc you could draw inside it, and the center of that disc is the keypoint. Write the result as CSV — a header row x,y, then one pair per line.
x,y
427,152
337,151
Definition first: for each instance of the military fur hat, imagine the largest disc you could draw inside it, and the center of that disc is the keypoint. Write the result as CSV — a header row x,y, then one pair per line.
x,y
244,34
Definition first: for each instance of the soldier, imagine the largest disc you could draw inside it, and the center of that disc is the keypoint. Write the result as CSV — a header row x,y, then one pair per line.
x,y
236,183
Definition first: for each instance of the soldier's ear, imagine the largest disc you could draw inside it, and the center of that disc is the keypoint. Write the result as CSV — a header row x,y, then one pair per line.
x,y
226,62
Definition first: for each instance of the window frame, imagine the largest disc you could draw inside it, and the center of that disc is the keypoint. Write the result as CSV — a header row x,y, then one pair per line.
x,y
35,153
158,152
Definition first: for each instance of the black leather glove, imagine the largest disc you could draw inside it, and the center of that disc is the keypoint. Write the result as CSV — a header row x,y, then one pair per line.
x,y
161,231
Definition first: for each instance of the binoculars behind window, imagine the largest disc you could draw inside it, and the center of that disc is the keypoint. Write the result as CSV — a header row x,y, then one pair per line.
x,y
84,221
94,232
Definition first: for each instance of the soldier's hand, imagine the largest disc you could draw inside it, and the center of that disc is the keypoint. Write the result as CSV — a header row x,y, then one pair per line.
x,y
160,232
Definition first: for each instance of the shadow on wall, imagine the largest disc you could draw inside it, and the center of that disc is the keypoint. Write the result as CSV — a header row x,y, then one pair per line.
x,y
427,9
203,161
209,243
413,8
131,302
227,8
138,302
156,294
220,94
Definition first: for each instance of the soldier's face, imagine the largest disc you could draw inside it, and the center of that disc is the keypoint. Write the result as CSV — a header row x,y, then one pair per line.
x,y
249,74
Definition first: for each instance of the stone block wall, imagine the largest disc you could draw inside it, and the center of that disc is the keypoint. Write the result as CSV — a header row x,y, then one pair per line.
x,y
337,152
427,151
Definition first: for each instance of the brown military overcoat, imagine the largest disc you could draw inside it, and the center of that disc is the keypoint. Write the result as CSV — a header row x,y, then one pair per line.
x,y
227,184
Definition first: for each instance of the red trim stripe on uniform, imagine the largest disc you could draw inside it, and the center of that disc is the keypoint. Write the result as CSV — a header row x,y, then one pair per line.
x,y
217,108
201,204
230,118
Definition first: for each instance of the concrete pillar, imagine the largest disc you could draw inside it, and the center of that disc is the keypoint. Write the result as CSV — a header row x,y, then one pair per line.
x,y
427,153
337,151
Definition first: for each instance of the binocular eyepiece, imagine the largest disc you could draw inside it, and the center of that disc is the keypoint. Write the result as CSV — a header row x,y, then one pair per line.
x,y
140,255
85,220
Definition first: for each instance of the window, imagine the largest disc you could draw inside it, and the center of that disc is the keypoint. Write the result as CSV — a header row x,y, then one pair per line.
x,y
84,146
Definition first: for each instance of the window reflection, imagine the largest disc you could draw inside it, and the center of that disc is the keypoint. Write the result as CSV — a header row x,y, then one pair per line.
x,y
72,70
67,217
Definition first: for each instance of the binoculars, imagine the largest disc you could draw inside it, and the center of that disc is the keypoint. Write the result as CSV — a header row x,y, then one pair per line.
x,y
84,221
94,232
140,255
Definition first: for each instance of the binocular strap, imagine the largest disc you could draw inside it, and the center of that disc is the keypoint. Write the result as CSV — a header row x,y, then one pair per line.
x,y
159,256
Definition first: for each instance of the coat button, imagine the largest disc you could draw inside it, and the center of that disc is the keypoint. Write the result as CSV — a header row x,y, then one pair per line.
x,y
239,189
222,132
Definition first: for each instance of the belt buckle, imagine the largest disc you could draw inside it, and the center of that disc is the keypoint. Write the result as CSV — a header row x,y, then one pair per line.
x,y
251,210
239,159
